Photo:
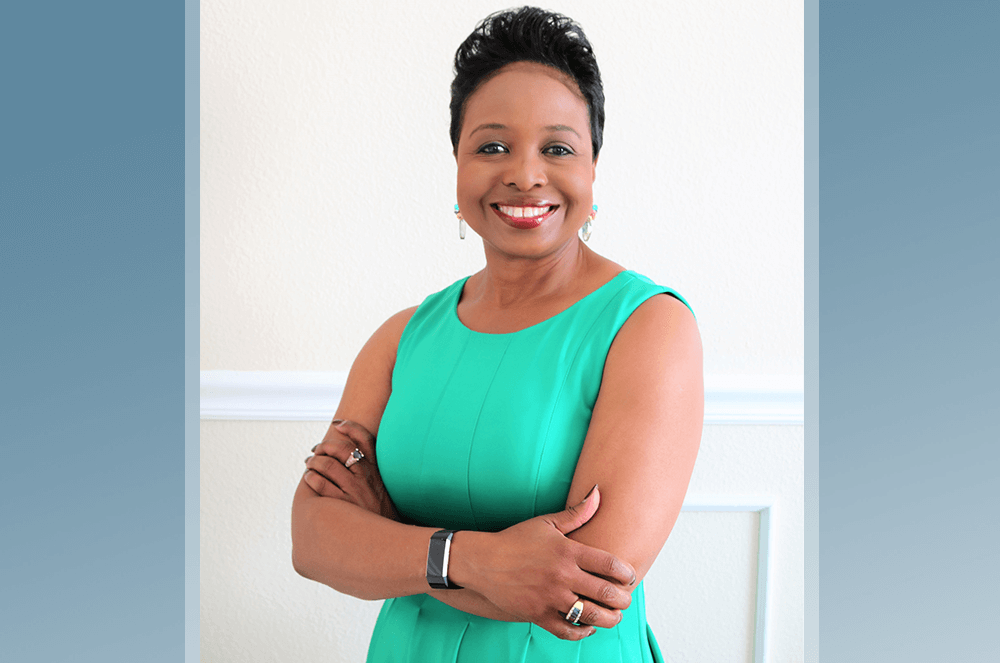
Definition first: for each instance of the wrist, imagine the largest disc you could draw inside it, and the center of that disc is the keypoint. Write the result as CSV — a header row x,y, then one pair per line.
x,y
467,564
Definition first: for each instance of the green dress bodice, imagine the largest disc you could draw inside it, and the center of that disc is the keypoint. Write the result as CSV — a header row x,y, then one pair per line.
x,y
483,431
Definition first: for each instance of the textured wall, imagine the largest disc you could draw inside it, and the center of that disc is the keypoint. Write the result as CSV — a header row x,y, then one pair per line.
x,y
328,181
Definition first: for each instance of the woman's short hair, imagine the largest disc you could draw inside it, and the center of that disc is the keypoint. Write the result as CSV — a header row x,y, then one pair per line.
x,y
528,34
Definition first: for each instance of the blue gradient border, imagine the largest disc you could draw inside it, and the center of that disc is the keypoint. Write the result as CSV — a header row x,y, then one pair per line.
x,y
811,236
92,286
192,329
909,205
100,342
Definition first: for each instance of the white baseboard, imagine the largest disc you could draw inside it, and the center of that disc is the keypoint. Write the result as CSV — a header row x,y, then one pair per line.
x,y
313,396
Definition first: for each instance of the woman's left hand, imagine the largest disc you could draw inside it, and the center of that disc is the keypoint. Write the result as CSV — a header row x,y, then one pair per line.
x,y
361,483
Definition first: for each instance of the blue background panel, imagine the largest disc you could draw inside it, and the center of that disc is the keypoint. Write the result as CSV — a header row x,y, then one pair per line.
x,y
92,291
909,200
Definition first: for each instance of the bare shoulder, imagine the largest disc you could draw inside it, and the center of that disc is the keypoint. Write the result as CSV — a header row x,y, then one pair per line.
x,y
369,383
655,358
662,326
386,338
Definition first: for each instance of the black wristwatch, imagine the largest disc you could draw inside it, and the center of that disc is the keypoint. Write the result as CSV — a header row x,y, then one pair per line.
x,y
438,552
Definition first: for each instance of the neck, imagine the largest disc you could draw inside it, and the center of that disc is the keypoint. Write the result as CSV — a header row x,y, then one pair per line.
x,y
513,282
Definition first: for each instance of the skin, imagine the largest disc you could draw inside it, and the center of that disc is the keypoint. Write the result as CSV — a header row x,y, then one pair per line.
x,y
525,138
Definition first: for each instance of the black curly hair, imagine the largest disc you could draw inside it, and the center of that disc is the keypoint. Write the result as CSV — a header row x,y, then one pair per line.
x,y
528,34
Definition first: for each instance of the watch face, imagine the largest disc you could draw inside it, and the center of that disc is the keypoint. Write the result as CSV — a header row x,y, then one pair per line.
x,y
437,560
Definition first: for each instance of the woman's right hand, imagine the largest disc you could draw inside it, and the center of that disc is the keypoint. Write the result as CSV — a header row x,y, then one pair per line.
x,y
361,483
533,572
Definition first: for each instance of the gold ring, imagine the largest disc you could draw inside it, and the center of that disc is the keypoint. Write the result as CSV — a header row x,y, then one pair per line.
x,y
573,616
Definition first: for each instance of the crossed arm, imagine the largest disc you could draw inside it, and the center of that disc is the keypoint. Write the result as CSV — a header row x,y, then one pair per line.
x,y
640,449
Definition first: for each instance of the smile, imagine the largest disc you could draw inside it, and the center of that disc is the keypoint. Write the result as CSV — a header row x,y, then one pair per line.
x,y
523,217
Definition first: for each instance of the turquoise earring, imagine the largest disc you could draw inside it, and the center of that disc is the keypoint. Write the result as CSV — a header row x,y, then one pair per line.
x,y
461,223
588,225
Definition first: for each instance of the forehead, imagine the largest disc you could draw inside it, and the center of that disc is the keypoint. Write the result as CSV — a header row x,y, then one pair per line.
x,y
531,94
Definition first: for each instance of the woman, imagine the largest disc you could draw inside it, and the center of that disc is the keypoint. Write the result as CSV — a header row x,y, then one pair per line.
x,y
470,422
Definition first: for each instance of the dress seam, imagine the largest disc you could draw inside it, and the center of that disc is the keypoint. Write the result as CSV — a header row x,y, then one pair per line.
x,y
458,645
475,428
437,407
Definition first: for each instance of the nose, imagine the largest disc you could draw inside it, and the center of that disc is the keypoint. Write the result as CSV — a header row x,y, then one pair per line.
x,y
526,172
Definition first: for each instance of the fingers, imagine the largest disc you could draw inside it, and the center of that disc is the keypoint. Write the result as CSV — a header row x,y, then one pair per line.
x,y
605,565
597,615
602,592
557,624
575,517
358,434
341,450
321,485
332,470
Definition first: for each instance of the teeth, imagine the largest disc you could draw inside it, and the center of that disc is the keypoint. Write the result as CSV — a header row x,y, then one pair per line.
x,y
523,212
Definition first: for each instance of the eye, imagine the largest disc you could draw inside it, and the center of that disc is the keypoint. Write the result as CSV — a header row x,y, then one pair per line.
x,y
558,151
492,148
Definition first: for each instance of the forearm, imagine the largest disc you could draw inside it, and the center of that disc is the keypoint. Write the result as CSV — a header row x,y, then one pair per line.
x,y
471,602
355,551
370,557
463,569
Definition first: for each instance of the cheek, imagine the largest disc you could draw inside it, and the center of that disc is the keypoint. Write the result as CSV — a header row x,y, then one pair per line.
x,y
472,180
579,184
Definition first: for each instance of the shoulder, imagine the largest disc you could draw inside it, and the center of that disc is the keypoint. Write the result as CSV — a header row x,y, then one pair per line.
x,y
394,326
385,341
662,313
659,341
369,382
388,337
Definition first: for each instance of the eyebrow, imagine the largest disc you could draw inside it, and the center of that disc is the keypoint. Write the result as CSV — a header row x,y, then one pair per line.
x,y
551,127
562,127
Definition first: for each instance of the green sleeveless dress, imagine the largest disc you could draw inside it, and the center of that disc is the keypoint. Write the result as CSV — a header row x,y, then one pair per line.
x,y
483,431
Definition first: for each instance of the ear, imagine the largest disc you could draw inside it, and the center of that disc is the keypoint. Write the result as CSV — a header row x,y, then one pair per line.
x,y
594,178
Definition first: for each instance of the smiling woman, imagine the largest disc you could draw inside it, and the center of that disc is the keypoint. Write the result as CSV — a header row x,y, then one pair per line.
x,y
460,478
526,166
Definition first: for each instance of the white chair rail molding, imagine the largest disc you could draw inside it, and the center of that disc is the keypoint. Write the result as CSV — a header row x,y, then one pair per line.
x,y
764,400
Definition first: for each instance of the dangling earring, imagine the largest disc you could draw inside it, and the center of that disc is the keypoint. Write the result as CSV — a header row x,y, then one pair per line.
x,y
461,223
588,225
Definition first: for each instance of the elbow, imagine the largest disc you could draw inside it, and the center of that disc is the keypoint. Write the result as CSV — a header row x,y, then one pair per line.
x,y
308,568
305,563
317,555
299,562
308,556
303,558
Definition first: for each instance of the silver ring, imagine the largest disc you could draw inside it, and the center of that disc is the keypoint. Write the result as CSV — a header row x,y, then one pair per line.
x,y
573,616
355,456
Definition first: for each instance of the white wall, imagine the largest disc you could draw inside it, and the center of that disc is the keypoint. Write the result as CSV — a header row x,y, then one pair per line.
x,y
327,192
328,182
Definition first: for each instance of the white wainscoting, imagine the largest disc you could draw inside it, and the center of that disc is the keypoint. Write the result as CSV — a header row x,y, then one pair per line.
x,y
313,396
765,508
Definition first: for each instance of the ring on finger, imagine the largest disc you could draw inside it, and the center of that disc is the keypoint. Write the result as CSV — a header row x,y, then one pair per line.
x,y
355,456
573,616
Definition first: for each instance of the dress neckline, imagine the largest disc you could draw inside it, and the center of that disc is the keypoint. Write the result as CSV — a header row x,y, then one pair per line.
x,y
461,287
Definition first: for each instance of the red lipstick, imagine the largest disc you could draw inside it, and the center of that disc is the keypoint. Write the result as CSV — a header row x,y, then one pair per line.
x,y
528,219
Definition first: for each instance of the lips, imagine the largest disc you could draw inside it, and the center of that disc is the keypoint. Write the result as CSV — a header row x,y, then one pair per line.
x,y
524,216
